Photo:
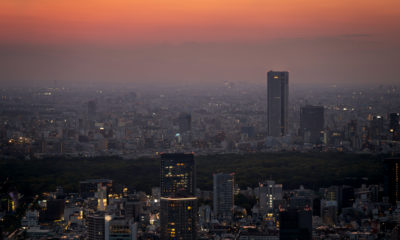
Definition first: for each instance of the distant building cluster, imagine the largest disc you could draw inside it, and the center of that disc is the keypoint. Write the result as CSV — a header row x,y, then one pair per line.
x,y
36,123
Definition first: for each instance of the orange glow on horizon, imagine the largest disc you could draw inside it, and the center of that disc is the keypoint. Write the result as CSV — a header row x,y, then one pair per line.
x,y
132,21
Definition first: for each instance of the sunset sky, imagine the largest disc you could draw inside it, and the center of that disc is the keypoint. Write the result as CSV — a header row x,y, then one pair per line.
x,y
171,41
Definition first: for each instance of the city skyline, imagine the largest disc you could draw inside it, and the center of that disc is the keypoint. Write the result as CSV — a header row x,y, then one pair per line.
x,y
171,119
105,164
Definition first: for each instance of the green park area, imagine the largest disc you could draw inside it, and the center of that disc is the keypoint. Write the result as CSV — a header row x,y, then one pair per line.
x,y
313,170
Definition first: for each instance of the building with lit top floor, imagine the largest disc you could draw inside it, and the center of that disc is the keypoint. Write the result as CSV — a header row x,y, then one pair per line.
x,y
177,174
178,204
278,103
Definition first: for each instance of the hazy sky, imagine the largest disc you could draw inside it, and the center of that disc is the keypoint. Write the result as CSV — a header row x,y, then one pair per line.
x,y
208,41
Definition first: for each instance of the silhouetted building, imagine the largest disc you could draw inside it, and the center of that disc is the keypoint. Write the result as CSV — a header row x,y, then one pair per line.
x,y
394,126
394,121
351,134
96,227
133,209
311,123
178,218
346,198
53,210
278,100
177,174
376,128
295,225
316,207
392,179
223,190
184,122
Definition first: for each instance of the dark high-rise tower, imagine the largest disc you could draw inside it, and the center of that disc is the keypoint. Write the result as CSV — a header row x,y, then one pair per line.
x,y
177,175
311,123
392,179
278,100
178,207
223,200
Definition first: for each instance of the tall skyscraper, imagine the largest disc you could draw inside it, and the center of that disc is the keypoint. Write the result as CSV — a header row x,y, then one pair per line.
x,y
392,179
278,100
177,175
311,123
178,206
223,190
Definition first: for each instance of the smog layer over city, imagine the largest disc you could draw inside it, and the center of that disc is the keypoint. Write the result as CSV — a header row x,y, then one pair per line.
x,y
212,119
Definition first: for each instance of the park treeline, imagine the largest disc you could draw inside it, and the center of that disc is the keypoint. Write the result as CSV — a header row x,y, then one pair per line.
x,y
313,170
